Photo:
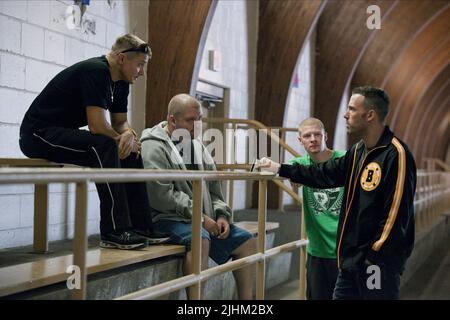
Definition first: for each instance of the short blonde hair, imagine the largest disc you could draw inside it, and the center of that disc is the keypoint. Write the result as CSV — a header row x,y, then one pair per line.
x,y
310,122
128,41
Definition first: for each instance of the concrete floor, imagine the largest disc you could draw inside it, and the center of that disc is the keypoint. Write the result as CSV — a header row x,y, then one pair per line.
x,y
286,291
430,282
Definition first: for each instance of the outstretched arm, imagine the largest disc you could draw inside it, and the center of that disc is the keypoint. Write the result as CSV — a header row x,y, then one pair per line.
x,y
330,174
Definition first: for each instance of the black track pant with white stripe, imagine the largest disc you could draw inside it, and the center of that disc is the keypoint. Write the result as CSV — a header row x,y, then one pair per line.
x,y
122,205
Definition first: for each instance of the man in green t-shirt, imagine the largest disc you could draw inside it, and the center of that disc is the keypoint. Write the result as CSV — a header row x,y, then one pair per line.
x,y
321,208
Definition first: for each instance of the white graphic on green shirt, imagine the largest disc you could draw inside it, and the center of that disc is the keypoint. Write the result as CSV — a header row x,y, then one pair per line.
x,y
322,208
324,201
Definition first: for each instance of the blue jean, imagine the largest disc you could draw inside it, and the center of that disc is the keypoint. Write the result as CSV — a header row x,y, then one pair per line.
x,y
374,282
220,249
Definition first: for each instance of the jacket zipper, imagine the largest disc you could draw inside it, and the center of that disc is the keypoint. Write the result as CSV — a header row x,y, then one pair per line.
x,y
348,205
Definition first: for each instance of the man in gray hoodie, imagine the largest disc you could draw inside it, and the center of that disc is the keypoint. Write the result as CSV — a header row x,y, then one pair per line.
x,y
172,144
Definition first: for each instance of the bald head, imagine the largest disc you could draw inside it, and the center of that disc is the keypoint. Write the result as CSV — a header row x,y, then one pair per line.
x,y
180,103
184,112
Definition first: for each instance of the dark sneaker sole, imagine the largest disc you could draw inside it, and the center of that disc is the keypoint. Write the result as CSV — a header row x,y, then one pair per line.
x,y
157,240
113,245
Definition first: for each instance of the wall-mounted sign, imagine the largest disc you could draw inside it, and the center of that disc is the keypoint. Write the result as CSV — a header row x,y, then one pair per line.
x,y
214,60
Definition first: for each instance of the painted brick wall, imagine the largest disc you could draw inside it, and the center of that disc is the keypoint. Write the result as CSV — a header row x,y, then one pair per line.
x,y
35,45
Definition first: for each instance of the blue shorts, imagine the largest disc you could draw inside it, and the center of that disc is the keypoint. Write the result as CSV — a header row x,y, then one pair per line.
x,y
220,249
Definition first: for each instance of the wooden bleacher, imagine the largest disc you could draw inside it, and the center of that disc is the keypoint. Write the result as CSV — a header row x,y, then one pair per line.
x,y
27,162
43,272
252,226
31,275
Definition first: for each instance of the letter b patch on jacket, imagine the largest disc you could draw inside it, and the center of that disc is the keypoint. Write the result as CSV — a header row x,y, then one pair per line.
x,y
371,176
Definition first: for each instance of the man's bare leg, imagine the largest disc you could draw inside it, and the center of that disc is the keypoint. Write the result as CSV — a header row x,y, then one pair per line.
x,y
187,265
244,276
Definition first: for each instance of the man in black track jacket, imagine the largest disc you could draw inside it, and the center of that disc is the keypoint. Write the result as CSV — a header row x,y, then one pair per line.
x,y
376,225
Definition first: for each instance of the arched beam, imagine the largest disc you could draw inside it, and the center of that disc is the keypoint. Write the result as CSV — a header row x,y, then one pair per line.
x,y
397,80
283,28
342,37
396,51
437,30
446,143
177,35
389,44
440,109
443,153
443,131
433,106
425,74
427,104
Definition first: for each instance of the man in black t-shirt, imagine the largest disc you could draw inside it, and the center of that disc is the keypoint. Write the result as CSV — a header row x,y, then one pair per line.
x,y
78,96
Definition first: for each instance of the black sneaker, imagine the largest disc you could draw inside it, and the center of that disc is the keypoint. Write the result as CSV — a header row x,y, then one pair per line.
x,y
125,240
151,237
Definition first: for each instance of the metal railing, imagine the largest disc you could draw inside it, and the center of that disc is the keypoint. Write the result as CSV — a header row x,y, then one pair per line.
x,y
432,199
268,131
433,164
81,177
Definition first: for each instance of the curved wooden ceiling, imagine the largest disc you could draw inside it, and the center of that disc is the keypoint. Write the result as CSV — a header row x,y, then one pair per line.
x,y
431,137
283,27
390,42
430,104
409,57
177,34
342,36
430,69
406,57
443,145
417,68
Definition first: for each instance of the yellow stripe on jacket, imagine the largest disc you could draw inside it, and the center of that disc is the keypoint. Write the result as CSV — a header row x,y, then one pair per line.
x,y
397,195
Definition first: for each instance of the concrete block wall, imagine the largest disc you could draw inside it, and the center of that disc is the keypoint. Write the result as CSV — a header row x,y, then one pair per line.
x,y
35,44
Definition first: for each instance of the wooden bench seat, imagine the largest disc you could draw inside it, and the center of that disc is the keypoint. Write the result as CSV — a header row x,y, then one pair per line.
x,y
27,162
31,275
40,239
252,226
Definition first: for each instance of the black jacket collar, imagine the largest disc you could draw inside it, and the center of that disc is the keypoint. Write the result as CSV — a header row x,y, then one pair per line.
x,y
385,139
